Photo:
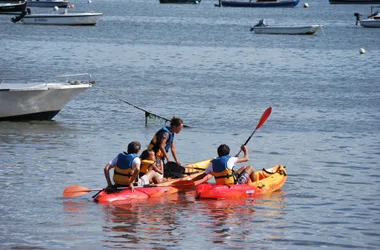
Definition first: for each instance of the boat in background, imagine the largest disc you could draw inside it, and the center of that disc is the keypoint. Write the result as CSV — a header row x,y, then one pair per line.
x,y
60,18
181,1
262,28
259,3
12,8
48,3
39,100
354,1
372,21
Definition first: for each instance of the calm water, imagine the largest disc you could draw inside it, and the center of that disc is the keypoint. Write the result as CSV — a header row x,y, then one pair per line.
x,y
200,63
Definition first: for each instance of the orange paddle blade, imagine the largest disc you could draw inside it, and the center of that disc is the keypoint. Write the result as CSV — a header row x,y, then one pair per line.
x,y
264,117
74,191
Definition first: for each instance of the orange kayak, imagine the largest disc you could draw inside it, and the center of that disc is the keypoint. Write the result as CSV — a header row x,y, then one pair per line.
x,y
268,181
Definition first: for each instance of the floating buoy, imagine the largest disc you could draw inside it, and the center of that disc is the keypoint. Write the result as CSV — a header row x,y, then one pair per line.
x,y
55,8
362,51
72,6
305,5
89,1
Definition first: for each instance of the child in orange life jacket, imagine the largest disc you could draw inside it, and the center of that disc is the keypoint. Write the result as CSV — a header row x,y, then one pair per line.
x,y
151,169
222,168
163,140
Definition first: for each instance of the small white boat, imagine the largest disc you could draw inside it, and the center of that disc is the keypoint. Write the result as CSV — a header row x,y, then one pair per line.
x,y
373,20
39,100
262,28
61,18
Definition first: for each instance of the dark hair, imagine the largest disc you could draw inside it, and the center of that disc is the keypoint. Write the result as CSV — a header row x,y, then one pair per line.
x,y
223,150
134,147
176,121
145,154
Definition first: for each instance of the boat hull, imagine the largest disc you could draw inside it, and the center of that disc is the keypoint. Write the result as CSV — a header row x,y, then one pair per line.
x,y
370,23
12,8
36,101
269,181
288,30
62,19
260,4
180,1
354,1
48,4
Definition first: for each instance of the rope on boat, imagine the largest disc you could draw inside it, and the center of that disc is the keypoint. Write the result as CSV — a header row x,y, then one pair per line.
x,y
148,115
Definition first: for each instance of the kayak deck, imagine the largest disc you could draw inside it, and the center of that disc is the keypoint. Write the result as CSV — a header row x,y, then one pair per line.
x,y
268,181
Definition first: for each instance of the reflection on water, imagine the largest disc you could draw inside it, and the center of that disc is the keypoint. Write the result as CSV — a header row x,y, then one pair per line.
x,y
224,222
143,222
233,222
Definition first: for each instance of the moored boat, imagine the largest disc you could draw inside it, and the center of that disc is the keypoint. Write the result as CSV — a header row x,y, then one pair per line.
x,y
262,28
372,21
180,1
12,8
268,181
61,18
354,1
48,3
259,3
39,100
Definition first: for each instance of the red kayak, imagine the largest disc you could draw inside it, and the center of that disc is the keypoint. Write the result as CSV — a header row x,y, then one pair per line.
x,y
269,180
153,191
157,190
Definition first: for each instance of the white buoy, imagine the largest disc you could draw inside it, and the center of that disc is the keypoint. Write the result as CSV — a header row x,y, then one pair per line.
x,y
306,5
55,8
362,51
89,1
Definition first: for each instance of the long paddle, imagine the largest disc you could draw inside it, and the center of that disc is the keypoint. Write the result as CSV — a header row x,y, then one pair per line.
x,y
74,191
263,119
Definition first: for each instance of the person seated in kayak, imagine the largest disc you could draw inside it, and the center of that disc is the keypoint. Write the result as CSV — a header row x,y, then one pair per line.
x,y
222,168
163,140
150,169
126,167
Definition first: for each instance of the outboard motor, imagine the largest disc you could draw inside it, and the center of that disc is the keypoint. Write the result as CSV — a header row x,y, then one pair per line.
x,y
374,14
18,18
261,23
357,17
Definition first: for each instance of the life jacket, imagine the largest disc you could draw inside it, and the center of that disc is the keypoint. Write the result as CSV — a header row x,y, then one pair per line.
x,y
222,174
144,168
153,145
123,171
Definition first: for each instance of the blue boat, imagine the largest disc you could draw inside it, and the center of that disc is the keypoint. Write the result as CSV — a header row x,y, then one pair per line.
x,y
259,3
181,1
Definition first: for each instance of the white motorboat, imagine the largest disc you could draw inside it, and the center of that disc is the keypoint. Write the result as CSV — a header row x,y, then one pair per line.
x,y
39,100
373,20
60,18
262,28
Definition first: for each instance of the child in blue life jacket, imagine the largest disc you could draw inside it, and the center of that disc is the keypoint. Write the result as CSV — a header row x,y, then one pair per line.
x,y
222,168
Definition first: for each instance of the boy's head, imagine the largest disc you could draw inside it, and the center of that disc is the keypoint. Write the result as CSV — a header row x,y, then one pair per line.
x,y
223,150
